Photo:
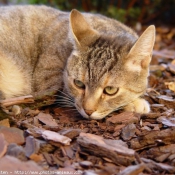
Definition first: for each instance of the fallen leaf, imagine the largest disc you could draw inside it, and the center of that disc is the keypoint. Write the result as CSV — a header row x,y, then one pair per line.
x,y
123,118
50,135
133,170
128,132
168,121
36,157
31,146
86,164
165,53
106,148
161,153
71,133
171,68
171,85
152,138
13,135
16,151
159,166
173,62
67,151
5,122
47,119
17,100
167,101
12,164
157,67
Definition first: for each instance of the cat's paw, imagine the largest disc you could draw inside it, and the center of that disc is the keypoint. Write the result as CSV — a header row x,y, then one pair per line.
x,y
139,106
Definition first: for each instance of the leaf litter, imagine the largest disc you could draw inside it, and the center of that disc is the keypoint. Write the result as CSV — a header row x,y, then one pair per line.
x,y
57,139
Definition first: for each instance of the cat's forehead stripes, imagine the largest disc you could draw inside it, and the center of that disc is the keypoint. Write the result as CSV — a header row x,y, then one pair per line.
x,y
101,58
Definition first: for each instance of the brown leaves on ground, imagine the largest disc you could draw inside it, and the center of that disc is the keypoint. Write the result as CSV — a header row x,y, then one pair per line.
x,y
59,140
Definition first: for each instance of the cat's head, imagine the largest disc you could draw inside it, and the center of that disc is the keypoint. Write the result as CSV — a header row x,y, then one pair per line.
x,y
106,72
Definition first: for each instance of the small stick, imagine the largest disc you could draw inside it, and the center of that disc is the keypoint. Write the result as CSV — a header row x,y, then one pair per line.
x,y
16,100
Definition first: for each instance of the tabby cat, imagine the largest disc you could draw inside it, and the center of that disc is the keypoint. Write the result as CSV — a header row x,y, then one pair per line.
x,y
98,62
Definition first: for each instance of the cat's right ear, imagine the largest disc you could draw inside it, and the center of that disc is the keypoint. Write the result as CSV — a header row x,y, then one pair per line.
x,y
83,33
140,54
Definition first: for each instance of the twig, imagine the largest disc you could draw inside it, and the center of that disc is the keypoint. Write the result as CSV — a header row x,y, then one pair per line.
x,y
17,100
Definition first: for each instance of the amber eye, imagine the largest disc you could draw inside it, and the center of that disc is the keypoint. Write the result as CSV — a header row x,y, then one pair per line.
x,y
110,90
79,84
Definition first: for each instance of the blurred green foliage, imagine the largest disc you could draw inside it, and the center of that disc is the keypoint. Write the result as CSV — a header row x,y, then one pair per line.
x,y
120,13
127,11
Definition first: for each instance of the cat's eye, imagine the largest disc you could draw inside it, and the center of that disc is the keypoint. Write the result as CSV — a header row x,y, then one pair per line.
x,y
110,90
79,84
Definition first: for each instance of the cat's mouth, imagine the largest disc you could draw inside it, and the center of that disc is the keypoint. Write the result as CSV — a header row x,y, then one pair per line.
x,y
95,115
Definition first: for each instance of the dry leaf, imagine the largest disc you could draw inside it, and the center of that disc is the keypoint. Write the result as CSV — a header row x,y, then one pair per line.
x,y
128,132
167,101
159,166
13,135
106,148
165,53
133,170
50,135
171,85
123,118
12,164
47,119
171,68
17,100
168,121
37,158
5,122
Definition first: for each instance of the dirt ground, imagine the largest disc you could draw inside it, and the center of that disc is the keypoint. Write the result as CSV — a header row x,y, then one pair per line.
x,y
56,140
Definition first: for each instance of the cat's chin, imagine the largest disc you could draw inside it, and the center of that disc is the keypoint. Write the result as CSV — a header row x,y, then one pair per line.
x,y
94,115
97,116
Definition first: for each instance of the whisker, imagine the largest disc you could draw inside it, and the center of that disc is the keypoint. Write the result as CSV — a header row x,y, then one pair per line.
x,y
66,106
60,95
64,93
61,99
72,110
64,102
121,107
64,99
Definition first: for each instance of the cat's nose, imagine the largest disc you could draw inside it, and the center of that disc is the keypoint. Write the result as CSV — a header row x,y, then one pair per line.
x,y
88,112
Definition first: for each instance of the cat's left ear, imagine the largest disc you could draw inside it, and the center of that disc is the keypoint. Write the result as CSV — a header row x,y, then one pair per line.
x,y
83,33
139,56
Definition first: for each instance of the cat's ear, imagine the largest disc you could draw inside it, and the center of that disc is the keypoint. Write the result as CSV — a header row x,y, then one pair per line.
x,y
82,31
139,56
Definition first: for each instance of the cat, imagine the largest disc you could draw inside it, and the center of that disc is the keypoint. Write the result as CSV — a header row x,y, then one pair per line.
x,y
100,64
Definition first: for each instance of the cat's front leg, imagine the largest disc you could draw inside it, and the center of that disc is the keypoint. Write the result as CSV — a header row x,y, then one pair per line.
x,y
139,106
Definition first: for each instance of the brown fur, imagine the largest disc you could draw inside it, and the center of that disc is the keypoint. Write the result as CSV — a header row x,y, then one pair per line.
x,y
43,49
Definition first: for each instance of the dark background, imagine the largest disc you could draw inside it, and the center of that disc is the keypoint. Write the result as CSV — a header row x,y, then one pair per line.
x,y
159,12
